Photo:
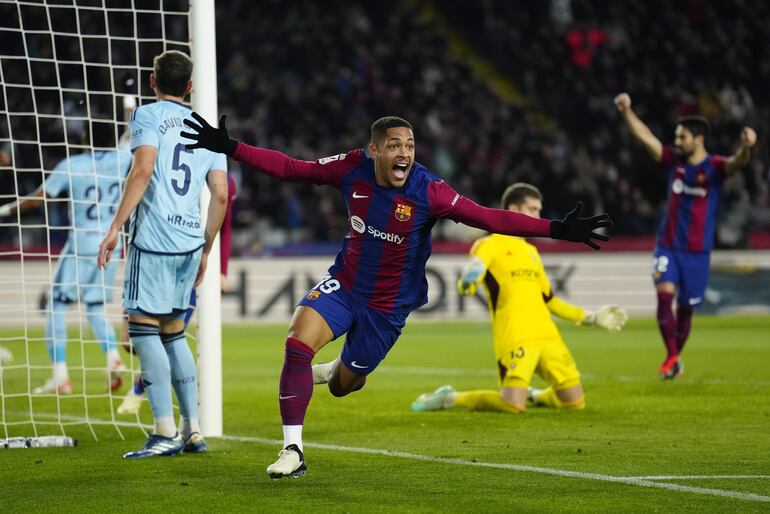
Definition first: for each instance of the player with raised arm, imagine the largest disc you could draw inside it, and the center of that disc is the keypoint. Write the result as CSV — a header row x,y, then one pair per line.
x,y
686,235
92,181
526,339
378,277
168,250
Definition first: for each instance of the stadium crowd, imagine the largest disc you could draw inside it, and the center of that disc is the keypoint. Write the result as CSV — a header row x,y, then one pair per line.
x,y
308,79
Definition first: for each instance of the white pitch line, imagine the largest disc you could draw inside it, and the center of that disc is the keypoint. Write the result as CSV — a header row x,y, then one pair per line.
x,y
647,481
516,467
698,477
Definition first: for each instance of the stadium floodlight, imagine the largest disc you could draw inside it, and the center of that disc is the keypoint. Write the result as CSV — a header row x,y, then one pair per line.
x,y
67,70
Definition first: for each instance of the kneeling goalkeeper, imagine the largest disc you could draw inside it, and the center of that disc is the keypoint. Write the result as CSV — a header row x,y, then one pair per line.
x,y
526,339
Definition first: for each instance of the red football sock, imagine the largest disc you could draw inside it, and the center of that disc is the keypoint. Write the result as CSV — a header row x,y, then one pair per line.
x,y
667,322
296,385
683,325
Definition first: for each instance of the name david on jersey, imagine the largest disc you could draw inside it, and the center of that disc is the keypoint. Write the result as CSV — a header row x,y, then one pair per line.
x,y
358,225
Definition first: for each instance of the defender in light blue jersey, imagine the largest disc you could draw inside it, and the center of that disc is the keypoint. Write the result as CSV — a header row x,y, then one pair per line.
x,y
92,181
168,250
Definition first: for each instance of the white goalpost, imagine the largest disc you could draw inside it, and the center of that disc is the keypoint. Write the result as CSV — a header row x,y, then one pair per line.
x,y
204,101
66,68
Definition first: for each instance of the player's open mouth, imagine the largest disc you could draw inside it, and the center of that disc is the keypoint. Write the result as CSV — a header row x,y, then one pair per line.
x,y
400,170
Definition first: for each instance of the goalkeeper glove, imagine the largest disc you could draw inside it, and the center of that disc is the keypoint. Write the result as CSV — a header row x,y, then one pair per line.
x,y
580,230
217,140
466,289
610,317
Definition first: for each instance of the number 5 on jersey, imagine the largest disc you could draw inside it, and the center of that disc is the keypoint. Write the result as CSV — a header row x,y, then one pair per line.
x,y
177,165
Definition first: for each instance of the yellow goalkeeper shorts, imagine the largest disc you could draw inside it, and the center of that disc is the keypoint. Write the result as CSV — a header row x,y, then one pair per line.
x,y
550,358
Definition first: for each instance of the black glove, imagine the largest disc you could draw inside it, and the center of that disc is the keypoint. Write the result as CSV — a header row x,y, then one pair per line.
x,y
580,230
217,140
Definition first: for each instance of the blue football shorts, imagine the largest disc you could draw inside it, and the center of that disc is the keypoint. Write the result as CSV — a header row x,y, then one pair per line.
x,y
688,271
158,285
370,333
78,277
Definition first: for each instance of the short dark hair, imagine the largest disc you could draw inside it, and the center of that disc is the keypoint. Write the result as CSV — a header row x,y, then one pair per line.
x,y
172,70
381,126
518,192
697,125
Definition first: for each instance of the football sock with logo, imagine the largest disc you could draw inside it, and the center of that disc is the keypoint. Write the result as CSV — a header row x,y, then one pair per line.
x,y
103,329
667,322
683,325
486,400
183,377
156,374
56,334
295,389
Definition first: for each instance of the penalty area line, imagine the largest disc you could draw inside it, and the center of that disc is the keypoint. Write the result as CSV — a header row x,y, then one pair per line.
x,y
637,481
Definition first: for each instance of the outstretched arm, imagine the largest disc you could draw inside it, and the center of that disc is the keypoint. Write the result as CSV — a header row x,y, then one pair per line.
x,y
270,162
741,157
23,204
445,202
609,317
640,131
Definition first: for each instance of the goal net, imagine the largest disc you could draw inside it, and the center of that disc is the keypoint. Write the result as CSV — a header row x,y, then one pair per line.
x,y
69,69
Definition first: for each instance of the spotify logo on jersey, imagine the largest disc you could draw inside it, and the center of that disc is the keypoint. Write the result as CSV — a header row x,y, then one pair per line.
x,y
358,224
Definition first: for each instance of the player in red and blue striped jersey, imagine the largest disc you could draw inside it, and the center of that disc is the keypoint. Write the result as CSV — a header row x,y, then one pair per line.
x,y
686,236
378,277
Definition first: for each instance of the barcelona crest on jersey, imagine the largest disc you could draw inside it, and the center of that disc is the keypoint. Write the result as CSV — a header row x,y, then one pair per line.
x,y
403,212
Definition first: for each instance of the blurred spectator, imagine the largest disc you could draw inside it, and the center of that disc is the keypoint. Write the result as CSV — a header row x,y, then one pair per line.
x,y
308,79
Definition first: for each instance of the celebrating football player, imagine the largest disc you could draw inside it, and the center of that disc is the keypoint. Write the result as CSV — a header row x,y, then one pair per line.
x,y
686,235
378,277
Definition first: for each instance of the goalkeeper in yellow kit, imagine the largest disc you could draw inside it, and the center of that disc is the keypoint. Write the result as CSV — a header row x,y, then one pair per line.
x,y
526,339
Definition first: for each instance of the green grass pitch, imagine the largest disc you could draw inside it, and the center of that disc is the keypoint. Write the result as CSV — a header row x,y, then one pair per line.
x,y
708,432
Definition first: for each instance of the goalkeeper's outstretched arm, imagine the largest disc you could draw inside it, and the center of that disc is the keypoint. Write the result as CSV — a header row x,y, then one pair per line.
x,y
610,317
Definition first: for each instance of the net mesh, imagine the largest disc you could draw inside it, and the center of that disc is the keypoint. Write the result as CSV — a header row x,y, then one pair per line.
x,y
68,72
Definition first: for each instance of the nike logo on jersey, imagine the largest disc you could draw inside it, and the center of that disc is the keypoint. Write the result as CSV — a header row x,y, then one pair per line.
x,y
358,366
695,301
282,397
356,195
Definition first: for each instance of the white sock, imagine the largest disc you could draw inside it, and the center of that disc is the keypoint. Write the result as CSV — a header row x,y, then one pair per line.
x,y
113,357
189,426
322,371
60,373
165,426
292,434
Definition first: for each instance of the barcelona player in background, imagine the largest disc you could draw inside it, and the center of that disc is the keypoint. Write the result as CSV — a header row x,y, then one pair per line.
x,y
686,236
378,277
526,339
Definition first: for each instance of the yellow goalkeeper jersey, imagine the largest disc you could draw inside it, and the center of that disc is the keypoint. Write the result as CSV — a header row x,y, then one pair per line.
x,y
519,294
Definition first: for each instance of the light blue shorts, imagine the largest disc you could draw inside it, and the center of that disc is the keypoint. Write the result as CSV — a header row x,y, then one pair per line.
x,y
159,285
78,277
